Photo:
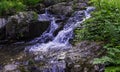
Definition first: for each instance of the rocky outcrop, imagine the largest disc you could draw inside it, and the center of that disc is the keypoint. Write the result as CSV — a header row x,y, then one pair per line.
x,y
36,28
67,8
38,8
80,58
80,6
24,25
52,2
76,59
61,9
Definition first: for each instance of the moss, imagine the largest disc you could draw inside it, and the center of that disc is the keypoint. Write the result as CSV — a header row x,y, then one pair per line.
x,y
35,16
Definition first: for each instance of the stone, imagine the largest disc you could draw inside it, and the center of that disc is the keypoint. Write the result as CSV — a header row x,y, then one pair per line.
x,y
61,9
10,67
80,6
67,8
24,26
75,59
40,8
82,56
36,28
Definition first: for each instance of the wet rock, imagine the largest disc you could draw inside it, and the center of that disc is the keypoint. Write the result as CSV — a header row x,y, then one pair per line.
x,y
67,8
81,57
52,2
2,28
36,28
80,6
40,8
61,9
77,59
9,67
2,33
23,26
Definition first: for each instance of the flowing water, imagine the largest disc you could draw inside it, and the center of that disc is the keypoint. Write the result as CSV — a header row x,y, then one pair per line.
x,y
48,41
61,40
51,48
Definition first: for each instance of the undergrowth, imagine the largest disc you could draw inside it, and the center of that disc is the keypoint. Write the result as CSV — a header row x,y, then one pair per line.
x,y
104,25
10,7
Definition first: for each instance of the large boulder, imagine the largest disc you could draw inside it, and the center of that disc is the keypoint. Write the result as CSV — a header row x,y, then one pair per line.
x,y
67,8
36,28
25,25
81,57
61,9
38,8
52,2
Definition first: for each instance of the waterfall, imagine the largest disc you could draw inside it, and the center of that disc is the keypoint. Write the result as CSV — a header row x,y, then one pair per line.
x,y
61,40
48,34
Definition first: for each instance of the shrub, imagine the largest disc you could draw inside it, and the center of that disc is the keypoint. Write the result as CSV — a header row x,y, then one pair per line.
x,y
104,25
10,7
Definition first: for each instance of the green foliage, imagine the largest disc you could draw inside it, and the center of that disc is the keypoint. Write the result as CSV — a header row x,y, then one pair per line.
x,y
106,4
104,26
102,60
113,53
35,16
9,7
112,69
31,2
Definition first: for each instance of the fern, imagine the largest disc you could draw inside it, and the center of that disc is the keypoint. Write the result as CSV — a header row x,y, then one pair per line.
x,y
104,25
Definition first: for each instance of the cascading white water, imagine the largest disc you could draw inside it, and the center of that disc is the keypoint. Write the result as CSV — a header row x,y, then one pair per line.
x,y
62,38
48,34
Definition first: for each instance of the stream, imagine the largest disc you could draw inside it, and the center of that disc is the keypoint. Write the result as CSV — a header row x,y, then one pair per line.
x,y
61,40
52,52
